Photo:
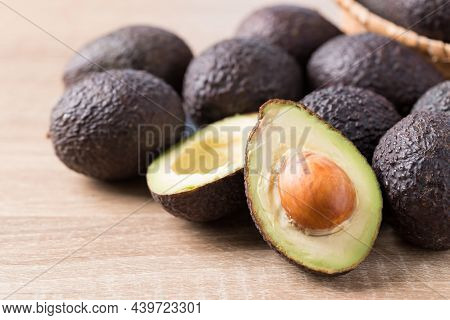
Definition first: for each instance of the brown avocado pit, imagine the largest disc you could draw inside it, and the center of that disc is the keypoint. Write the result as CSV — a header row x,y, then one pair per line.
x,y
316,193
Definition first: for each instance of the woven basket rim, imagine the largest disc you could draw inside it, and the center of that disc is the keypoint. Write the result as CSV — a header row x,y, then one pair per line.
x,y
437,50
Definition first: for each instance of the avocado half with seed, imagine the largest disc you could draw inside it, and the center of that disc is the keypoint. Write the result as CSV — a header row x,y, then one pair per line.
x,y
201,178
311,193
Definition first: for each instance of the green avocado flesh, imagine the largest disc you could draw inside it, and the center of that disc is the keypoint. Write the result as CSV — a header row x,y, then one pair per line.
x,y
284,127
212,153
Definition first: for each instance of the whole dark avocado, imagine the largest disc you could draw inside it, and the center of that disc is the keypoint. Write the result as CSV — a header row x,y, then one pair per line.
x,y
426,17
371,61
238,76
107,125
411,163
140,47
296,29
434,100
361,115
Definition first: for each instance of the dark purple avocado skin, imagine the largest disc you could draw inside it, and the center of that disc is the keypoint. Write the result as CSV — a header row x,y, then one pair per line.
x,y
360,114
139,47
426,17
101,125
412,165
209,202
374,62
238,76
437,99
296,29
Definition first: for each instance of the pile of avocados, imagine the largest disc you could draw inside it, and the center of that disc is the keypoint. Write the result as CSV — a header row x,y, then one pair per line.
x,y
314,133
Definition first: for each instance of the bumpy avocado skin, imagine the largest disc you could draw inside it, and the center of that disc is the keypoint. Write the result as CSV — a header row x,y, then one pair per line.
x,y
147,48
411,163
437,99
374,62
237,76
107,125
426,17
361,115
209,202
296,29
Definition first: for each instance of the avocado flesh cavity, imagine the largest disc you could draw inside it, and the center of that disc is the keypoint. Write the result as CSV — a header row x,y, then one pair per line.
x,y
211,154
339,250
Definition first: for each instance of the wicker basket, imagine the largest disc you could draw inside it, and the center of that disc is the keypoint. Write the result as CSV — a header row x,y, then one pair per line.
x,y
357,19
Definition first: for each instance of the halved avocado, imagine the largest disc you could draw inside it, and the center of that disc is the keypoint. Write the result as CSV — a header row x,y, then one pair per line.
x,y
311,193
201,179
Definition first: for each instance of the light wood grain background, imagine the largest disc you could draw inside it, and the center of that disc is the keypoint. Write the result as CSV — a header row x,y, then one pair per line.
x,y
64,236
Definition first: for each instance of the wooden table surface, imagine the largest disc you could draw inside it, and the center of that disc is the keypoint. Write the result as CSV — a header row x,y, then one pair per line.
x,y
64,236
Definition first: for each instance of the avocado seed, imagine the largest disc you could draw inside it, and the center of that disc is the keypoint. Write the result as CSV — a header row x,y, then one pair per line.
x,y
315,192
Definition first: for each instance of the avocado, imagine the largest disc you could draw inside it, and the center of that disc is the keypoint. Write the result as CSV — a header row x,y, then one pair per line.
x,y
428,18
139,47
237,76
361,115
296,29
374,62
108,124
311,193
411,162
435,99
200,179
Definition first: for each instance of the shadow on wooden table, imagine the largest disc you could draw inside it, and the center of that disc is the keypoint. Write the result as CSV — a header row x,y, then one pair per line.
x,y
235,231
136,187
392,260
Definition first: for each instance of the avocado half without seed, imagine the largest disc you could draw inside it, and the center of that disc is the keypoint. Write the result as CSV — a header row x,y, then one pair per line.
x,y
311,193
201,179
